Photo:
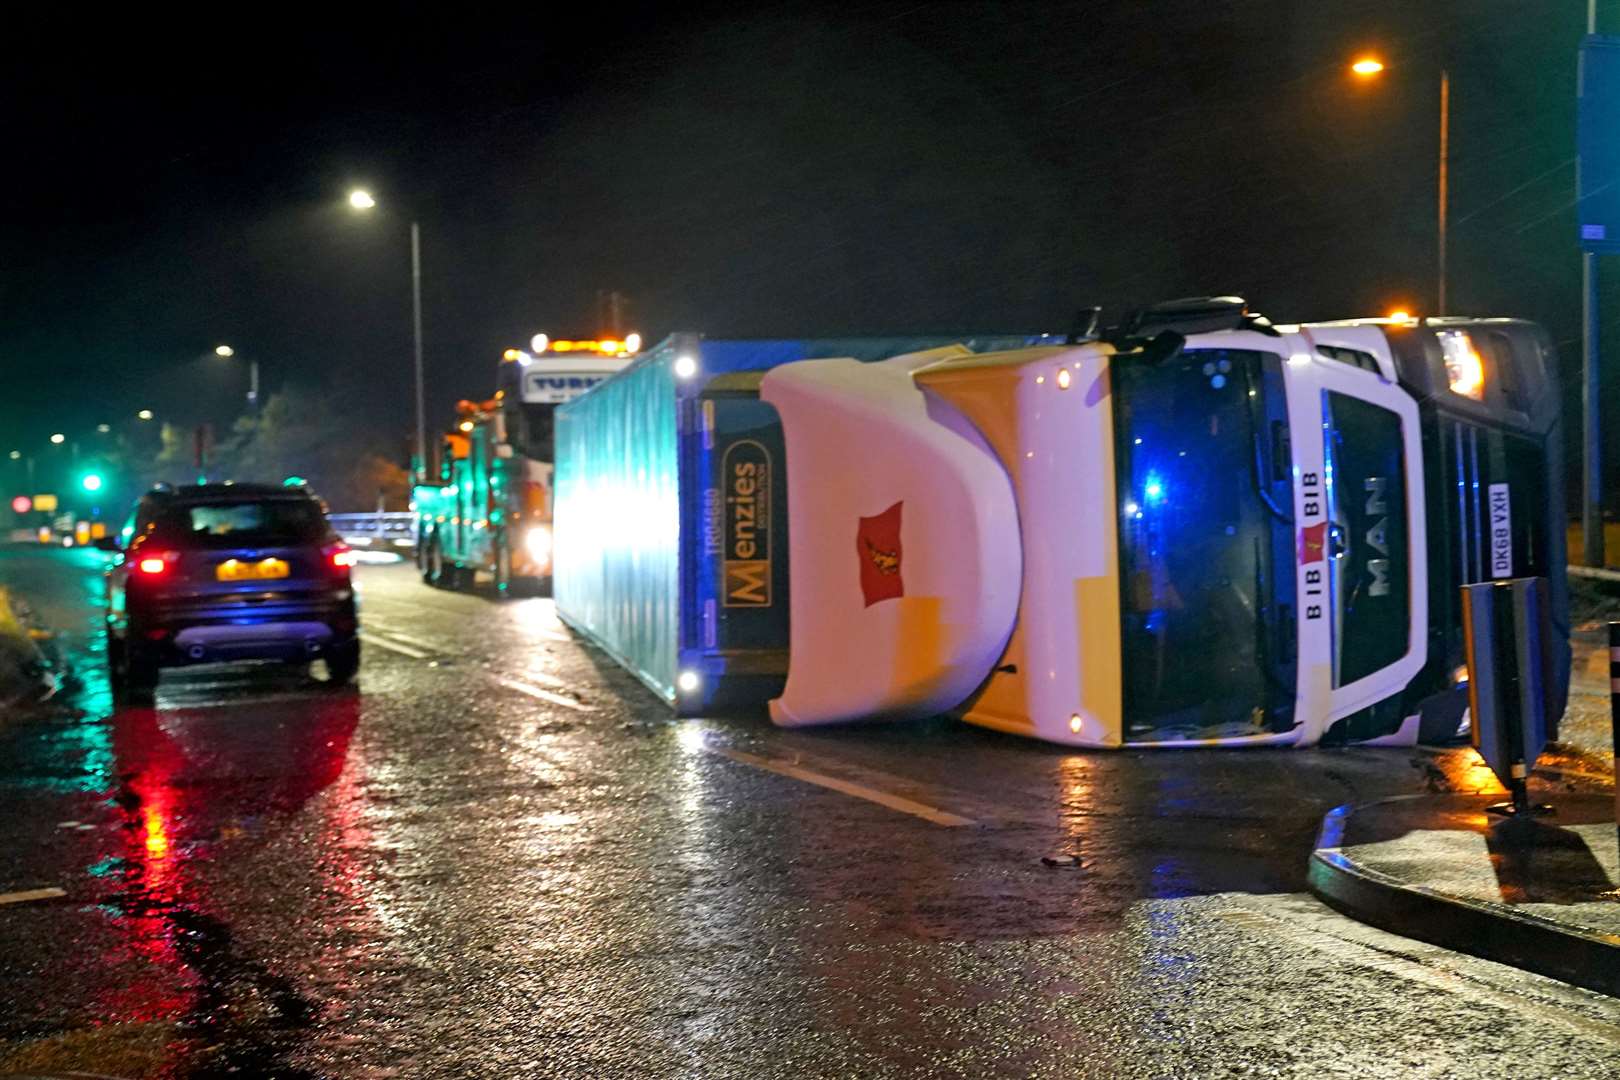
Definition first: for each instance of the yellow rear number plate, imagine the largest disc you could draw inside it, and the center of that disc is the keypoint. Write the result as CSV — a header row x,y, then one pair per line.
x,y
251,570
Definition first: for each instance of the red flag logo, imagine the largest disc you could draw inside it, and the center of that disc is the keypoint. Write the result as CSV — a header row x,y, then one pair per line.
x,y
877,543
1312,542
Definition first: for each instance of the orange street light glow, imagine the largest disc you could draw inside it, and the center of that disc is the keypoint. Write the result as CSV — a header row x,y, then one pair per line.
x,y
1400,315
1367,67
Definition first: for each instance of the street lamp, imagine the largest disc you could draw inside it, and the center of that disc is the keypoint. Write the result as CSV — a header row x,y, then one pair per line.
x,y
144,414
226,352
1367,68
362,201
59,438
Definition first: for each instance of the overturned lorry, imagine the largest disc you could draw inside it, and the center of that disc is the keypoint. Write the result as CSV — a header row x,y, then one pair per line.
x,y
1196,529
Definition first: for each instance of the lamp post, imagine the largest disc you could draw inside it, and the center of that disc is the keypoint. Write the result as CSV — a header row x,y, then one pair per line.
x,y
362,201
1592,537
1367,68
226,352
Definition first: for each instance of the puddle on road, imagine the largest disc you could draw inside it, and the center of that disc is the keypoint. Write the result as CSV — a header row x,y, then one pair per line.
x,y
175,788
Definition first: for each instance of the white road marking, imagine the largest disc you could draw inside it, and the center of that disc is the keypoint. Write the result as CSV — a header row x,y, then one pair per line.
x,y
383,643
548,680
1306,922
395,635
27,895
846,787
542,695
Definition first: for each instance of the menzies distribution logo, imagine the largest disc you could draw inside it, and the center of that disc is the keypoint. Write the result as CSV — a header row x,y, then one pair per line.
x,y
746,467
877,543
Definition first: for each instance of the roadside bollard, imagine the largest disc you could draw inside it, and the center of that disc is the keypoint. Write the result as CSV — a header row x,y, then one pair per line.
x,y
1507,638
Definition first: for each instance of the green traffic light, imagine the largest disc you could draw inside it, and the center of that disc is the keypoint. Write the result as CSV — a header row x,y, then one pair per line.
x,y
91,481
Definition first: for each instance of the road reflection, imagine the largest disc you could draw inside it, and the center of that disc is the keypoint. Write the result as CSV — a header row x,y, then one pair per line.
x,y
191,785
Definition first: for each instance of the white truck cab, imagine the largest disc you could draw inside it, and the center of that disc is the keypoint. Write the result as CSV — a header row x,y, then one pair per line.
x,y
1204,530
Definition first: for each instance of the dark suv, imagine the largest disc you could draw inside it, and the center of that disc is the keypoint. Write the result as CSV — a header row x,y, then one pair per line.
x,y
220,572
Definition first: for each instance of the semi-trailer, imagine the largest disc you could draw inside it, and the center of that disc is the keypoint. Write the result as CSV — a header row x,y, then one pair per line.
x,y
1195,529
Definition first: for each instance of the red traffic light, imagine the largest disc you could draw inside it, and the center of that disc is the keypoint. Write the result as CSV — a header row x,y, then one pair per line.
x,y
22,504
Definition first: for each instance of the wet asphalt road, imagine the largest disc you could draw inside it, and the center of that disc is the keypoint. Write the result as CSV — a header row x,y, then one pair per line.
x,y
497,857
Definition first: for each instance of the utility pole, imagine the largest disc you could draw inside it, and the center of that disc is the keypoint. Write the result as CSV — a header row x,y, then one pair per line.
x,y
416,326
1445,161
1591,430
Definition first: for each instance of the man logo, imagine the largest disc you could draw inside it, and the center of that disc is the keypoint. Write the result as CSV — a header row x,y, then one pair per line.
x,y
746,467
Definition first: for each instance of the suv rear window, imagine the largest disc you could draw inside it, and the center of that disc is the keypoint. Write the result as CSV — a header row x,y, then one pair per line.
x,y
231,524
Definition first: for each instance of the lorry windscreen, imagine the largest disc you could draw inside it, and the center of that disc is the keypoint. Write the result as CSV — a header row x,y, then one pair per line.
x,y
1366,480
533,437
1204,477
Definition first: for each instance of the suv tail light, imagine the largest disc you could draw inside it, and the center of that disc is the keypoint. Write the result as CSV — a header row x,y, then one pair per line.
x,y
338,557
155,564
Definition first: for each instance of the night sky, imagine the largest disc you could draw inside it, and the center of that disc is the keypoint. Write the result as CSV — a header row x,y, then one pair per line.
x,y
749,169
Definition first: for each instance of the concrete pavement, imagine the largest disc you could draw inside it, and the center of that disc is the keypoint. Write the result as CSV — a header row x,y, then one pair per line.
x,y
1540,893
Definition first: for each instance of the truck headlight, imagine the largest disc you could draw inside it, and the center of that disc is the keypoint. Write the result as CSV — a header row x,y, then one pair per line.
x,y
1465,370
537,542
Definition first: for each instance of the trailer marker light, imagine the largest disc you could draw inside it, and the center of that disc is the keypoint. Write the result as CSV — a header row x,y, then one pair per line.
x,y
685,366
1075,723
687,681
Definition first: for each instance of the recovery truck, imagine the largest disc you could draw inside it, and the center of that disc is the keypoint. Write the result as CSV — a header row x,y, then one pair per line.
x,y
490,511
1194,529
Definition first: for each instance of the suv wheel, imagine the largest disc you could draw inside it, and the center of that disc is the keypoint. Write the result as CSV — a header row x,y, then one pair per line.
x,y
140,675
117,671
343,662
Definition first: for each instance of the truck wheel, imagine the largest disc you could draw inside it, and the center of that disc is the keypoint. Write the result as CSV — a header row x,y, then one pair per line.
x,y
503,566
424,560
342,663
433,572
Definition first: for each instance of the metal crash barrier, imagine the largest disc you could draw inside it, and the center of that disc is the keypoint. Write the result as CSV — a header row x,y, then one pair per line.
x,y
379,530
1507,632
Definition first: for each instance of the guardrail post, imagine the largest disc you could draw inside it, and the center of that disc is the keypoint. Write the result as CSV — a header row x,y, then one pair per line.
x,y
1614,714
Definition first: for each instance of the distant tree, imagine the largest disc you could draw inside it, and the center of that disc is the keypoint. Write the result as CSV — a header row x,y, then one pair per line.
x,y
299,431
305,433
